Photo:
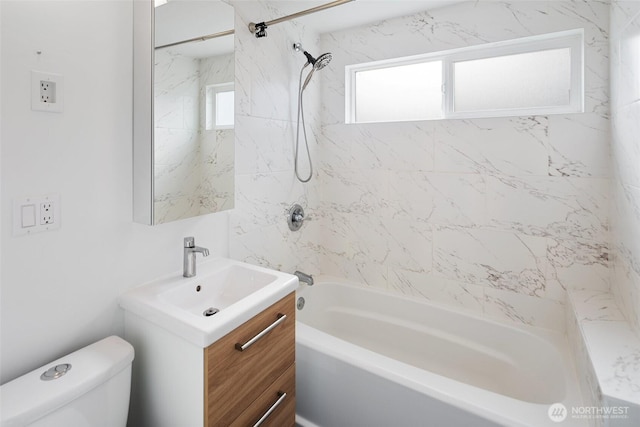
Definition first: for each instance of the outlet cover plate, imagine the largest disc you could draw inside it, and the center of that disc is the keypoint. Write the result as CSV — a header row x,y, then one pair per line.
x,y
35,214
52,103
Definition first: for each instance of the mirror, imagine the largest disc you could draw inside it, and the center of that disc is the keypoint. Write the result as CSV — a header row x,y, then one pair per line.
x,y
183,109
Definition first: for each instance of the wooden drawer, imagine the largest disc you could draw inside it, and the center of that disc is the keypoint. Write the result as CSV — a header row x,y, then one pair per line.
x,y
234,379
284,415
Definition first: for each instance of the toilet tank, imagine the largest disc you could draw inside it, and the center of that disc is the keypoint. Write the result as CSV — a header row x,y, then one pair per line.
x,y
94,392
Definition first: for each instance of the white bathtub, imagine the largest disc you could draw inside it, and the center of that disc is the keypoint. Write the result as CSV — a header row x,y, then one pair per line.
x,y
369,358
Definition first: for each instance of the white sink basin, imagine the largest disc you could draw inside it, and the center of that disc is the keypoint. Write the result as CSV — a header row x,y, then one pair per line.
x,y
218,290
223,295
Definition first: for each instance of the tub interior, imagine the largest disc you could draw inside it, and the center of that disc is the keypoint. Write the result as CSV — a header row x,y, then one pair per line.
x,y
471,350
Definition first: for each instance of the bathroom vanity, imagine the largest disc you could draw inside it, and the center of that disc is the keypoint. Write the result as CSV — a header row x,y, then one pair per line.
x,y
241,386
217,349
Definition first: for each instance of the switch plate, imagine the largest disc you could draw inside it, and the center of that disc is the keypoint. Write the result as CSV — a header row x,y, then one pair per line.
x,y
47,92
28,215
36,214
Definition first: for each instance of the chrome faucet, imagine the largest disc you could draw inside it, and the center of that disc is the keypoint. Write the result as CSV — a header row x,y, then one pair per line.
x,y
305,278
190,251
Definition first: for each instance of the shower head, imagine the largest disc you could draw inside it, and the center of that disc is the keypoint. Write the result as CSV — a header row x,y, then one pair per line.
x,y
322,61
319,63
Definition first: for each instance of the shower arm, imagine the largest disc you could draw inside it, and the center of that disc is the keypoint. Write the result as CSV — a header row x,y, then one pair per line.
x,y
259,28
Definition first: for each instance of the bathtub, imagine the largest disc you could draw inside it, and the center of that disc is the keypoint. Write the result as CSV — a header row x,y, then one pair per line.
x,y
370,358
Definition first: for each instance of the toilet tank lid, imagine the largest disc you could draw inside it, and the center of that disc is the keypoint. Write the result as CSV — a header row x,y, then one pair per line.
x,y
28,398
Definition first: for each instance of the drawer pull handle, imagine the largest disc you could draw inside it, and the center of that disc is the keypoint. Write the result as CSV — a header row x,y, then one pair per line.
x,y
265,331
273,407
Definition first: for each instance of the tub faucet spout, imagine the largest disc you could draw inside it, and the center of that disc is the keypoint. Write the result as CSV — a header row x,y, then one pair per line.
x,y
305,278
189,260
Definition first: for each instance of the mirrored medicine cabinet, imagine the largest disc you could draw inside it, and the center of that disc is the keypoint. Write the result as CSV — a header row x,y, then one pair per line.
x,y
183,137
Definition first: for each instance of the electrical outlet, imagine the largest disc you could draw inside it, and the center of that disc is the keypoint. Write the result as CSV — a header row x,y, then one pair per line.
x,y
35,214
46,213
47,92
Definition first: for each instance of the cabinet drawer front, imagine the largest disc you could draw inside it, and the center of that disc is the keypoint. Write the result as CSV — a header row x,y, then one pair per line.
x,y
234,379
284,415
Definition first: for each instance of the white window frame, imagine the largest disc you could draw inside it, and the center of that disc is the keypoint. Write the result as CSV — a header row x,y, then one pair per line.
x,y
572,39
211,99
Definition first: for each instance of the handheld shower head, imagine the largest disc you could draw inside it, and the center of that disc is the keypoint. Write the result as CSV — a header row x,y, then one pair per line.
x,y
308,79
322,61
318,63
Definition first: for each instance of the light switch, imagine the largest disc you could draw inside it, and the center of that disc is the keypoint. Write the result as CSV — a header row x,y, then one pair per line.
x,y
28,215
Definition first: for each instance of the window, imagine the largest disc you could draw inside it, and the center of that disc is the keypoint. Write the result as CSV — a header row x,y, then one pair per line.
x,y
532,75
525,80
219,106
388,94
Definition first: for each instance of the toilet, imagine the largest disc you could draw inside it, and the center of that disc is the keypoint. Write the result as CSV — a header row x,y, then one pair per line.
x,y
87,388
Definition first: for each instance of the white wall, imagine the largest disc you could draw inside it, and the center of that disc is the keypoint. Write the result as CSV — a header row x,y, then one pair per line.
x,y
59,288
625,114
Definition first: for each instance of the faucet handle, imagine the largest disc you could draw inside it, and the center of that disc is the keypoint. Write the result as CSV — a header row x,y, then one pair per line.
x,y
189,242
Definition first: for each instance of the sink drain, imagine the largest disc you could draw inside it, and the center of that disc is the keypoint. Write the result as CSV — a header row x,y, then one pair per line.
x,y
210,311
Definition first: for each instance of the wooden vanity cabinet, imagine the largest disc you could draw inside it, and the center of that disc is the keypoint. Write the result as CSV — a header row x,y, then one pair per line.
x,y
241,386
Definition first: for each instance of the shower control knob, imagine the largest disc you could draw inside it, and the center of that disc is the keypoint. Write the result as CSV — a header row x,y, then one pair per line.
x,y
295,218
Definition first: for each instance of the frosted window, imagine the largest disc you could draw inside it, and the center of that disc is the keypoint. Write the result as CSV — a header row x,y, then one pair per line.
x,y
224,109
406,92
526,80
219,106
541,74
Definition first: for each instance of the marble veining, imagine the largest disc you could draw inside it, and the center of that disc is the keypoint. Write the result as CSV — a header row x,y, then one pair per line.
x,y
500,216
193,165
518,206
266,82
593,306
498,260
615,353
587,153
607,350
625,206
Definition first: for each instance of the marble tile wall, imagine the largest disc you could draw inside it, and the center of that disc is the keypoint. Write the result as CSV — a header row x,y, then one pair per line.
x,y
193,166
625,112
267,73
216,158
499,216
607,354
176,139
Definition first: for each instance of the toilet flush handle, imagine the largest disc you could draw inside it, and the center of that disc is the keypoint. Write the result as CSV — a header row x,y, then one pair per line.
x,y
55,372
